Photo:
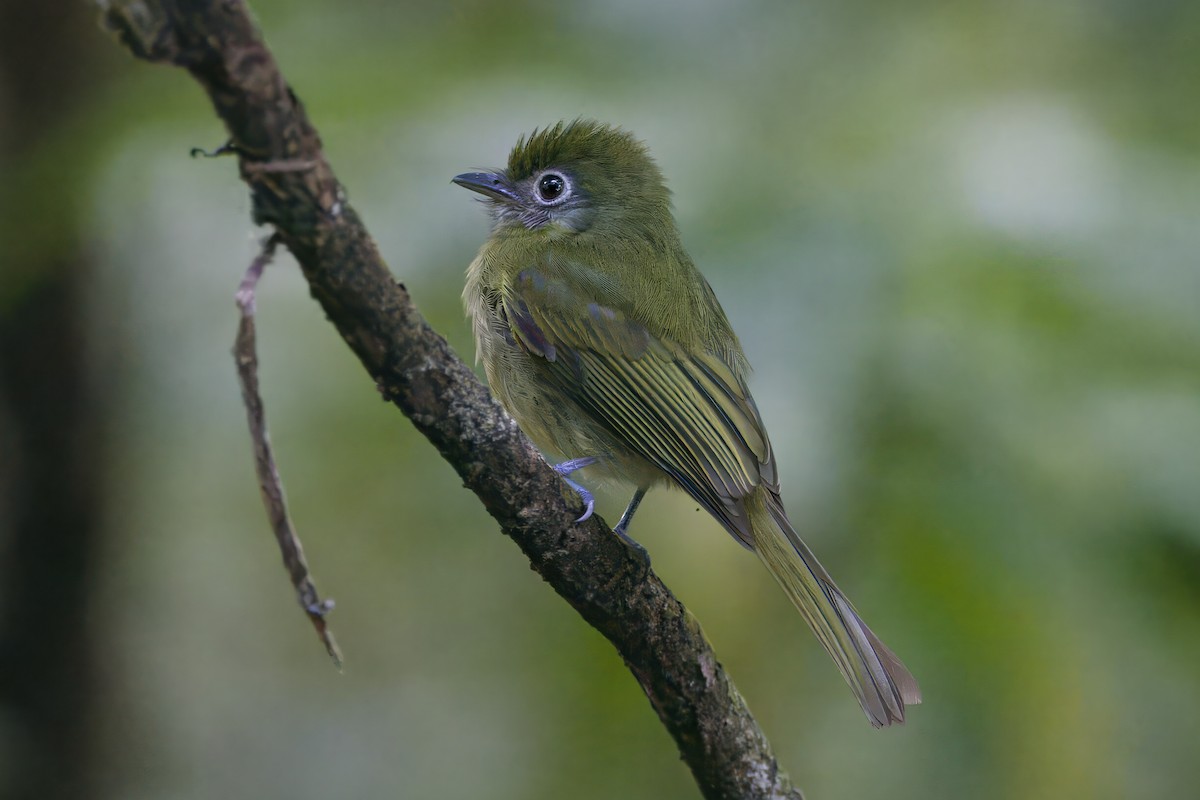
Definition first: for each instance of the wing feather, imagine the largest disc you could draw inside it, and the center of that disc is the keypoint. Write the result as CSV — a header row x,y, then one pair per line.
x,y
689,414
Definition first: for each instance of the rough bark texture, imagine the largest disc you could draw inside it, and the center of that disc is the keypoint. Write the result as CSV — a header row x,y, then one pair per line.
x,y
295,191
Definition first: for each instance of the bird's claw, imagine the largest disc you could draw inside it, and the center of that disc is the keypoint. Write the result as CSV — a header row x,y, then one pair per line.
x,y
634,544
589,502
566,468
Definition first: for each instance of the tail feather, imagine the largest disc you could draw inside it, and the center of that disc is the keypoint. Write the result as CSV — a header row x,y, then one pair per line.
x,y
881,682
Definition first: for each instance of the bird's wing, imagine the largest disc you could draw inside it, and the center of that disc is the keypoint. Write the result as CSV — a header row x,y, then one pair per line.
x,y
687,413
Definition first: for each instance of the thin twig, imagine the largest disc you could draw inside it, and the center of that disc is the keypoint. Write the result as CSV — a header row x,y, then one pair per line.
x,y
269,482
283,165
227,149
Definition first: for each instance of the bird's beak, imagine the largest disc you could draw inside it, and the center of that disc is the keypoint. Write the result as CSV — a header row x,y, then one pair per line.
x,y
488,184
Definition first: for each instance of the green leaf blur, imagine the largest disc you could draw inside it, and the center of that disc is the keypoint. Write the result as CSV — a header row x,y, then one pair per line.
x,y
959,243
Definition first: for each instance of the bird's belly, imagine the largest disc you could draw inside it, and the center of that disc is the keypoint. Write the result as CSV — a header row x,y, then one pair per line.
x,y
553,420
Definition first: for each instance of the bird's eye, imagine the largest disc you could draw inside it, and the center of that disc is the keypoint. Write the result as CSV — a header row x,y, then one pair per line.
x,y
551,187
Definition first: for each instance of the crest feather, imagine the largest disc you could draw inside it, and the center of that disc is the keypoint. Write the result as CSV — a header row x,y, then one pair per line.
x,y
569,143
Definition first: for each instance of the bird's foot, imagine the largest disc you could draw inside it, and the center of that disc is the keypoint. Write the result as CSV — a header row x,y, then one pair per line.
x,y
574,465
641,552
566,468
622,527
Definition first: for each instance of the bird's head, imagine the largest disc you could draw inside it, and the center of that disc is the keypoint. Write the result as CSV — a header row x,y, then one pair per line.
x,y
576,177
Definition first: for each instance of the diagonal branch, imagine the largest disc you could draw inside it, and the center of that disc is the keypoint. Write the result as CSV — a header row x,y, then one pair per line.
x,y
294,190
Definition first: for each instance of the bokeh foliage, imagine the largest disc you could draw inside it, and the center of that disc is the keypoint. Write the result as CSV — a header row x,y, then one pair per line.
x,y
959,242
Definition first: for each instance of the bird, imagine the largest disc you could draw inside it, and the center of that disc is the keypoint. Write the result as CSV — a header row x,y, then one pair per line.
x,y
602,339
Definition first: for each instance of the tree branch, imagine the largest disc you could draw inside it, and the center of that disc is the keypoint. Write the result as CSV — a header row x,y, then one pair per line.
x,y
245,355
294,190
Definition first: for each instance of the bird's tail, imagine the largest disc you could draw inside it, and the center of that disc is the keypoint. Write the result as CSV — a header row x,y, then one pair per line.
x,y
880,681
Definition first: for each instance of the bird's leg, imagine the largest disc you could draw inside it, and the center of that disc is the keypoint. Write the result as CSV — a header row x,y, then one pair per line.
x,y
566,468
623,525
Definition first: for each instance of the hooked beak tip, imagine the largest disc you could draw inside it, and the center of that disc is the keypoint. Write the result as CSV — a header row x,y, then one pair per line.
x,y
489,184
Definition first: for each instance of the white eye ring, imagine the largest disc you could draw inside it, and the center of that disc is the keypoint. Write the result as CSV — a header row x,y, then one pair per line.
x,y
552,188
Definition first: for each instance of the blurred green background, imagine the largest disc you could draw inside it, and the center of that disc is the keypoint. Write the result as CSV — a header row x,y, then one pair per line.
x,y
959,242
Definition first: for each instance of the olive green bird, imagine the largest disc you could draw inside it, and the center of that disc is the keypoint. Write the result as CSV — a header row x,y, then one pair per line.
x,y
607,345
